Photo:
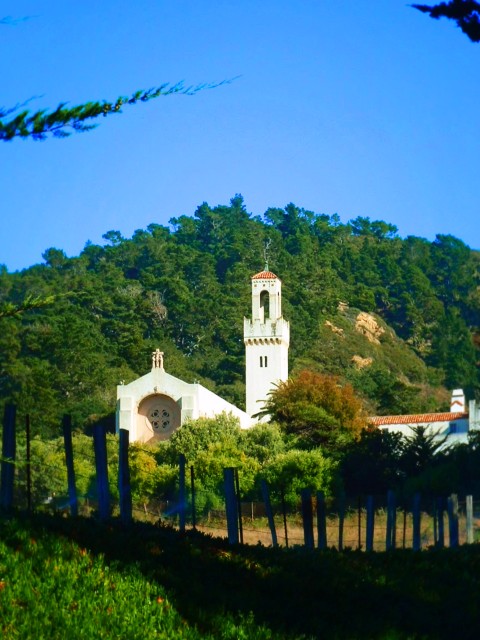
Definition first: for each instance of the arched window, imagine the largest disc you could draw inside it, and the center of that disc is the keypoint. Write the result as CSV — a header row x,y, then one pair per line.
x,y
265,304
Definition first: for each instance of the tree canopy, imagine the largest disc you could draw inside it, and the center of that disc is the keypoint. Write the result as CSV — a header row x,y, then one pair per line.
x,y
110,306
317,410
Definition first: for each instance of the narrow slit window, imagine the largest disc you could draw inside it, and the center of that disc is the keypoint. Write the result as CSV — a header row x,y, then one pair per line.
x,y
261,361
265,361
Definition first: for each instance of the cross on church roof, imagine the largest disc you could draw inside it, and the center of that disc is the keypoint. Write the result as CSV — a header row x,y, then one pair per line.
x,y
157,359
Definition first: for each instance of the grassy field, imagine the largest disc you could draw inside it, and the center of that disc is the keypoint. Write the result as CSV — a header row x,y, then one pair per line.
x,y
76,578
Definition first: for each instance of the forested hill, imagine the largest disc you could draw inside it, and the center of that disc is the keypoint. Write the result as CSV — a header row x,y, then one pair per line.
x,y
186,288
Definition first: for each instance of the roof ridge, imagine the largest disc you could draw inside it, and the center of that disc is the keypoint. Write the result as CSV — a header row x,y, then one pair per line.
x,y
446,416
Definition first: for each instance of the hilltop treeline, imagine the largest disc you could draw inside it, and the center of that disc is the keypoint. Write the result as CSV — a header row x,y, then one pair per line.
x,y
186,287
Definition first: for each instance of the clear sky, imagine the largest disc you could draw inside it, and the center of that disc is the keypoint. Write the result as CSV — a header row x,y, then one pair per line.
x,y
361,108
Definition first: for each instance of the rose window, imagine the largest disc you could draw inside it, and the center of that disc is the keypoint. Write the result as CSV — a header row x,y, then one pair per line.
x,y
160,419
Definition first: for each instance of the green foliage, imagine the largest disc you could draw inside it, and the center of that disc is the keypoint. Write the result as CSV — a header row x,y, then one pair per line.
x,y
317,410
210,465
64,120
420,450
146,478
196,436
211,445
79,579
372,465
30,302
53,588
186,288
263,441
288,473
49,473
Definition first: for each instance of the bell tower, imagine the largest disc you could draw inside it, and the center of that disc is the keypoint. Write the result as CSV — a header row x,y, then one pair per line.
x,y
266,337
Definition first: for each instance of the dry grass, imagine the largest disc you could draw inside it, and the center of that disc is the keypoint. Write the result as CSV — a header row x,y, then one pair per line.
x,y
256,531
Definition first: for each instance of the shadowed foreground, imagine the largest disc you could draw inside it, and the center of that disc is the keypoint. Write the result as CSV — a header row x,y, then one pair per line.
x,y
151,581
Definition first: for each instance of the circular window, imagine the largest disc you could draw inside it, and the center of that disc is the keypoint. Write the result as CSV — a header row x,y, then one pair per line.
x,y
158,416
160,419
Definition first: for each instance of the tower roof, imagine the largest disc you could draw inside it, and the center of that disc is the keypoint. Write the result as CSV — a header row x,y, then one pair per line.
x,y
265,275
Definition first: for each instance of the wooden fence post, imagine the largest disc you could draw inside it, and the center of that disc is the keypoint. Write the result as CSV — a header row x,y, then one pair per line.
x,y
182,502
7,474
67,442
124,487
231,505
469,510
452,507
321,521
441,524
101,467
284,514
192,486
416,522
341,520
269,512
391,521
307,517
370,524
359,522
239,506
404,528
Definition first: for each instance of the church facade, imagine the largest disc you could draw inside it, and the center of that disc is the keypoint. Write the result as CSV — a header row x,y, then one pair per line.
x,y
153,406
157,404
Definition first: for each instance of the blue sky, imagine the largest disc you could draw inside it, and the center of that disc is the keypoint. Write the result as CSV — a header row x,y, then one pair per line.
x,y
361,108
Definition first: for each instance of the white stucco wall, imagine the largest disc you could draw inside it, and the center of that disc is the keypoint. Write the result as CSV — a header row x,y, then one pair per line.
x,y
192,400
266,338
456,430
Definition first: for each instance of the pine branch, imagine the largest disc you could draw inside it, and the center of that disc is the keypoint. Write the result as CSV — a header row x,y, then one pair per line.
x,y
64,120
466,13
9,309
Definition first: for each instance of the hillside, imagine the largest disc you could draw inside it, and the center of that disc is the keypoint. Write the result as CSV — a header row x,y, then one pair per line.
x,y
186,288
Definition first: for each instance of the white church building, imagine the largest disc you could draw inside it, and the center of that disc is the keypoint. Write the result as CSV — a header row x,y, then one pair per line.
x,y
153,406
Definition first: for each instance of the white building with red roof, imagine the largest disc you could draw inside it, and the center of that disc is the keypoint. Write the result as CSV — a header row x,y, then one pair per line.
x,y
454,424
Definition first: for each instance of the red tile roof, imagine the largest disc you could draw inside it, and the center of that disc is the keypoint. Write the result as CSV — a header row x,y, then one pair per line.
x,y
418,418
264,275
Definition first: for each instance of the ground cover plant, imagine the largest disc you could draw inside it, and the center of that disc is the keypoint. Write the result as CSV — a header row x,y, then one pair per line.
x,y
77,578
53,587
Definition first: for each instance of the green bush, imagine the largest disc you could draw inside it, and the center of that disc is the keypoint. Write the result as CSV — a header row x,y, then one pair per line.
x,y
295,470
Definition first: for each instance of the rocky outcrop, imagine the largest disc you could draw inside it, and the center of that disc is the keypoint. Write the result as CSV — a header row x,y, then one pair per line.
x,y
361,363
334,328
369,327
